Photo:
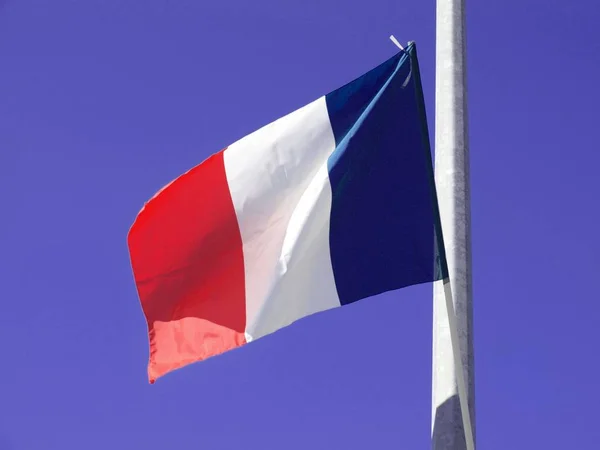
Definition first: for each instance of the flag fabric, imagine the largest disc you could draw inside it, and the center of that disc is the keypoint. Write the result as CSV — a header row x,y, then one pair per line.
x,y
328,205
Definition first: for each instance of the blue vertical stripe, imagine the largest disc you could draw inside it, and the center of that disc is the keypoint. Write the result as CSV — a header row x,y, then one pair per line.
x,y
382,213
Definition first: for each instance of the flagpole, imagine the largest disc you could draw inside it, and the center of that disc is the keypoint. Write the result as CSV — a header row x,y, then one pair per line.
x,y
452,311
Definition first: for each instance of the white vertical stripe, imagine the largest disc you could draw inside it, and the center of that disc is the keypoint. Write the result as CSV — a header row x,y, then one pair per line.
x,y
280,188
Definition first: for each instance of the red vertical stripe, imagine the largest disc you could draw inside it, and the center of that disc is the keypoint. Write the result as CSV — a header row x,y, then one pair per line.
x,y
187,259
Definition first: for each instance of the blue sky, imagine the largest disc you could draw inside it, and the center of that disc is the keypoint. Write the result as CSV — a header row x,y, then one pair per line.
x,y
103,102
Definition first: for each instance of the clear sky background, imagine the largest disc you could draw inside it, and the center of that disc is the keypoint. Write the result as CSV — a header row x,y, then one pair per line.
x,y
102,102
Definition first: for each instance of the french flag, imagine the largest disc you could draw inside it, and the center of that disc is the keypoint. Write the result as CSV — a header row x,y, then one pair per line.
x,y
328,205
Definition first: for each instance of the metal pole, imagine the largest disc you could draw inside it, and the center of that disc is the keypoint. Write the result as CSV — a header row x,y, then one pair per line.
x,y
452,181
463,397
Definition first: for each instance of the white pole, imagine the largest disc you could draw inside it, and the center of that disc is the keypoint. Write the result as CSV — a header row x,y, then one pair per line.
x,y
452,181
469,438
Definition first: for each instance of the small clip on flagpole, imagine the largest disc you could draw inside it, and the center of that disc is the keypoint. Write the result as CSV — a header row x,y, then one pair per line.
x,y
396,43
